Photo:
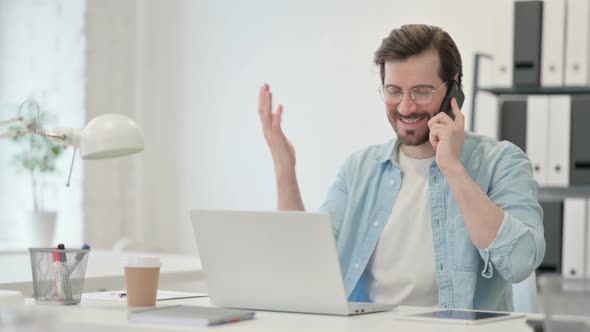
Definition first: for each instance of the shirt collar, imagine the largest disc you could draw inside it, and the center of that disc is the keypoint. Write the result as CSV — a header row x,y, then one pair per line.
x,y
388,152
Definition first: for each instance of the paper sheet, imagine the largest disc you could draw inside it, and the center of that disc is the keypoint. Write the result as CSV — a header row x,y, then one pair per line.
x,y
119,296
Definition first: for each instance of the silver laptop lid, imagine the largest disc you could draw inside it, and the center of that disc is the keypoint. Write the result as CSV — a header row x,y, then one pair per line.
x,y
282,261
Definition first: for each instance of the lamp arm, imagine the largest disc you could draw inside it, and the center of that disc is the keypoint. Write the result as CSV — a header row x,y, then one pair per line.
x,y
10,134
13,120
64,136
13,133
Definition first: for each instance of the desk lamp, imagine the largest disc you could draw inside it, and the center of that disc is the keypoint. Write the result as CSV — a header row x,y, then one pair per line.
x,y
106,136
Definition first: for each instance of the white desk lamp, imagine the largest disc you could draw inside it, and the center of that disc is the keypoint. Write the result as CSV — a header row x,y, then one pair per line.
x,y
106,136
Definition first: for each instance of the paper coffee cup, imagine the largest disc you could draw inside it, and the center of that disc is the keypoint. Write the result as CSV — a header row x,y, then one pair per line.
x,y
141,280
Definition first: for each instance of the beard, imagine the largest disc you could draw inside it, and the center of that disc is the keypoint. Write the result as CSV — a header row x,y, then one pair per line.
x,y
409,137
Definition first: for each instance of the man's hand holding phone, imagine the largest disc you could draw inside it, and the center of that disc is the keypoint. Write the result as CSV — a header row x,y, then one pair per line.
x,y
447,138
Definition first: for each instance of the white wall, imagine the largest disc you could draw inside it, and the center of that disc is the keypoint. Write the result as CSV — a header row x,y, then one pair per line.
x,y
191,76
317,56
110,187
162,167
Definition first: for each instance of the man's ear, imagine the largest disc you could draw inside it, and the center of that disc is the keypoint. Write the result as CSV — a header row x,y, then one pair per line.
x,y
456,77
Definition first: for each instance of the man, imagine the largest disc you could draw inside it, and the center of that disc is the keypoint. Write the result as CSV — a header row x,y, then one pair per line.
x,y
438,216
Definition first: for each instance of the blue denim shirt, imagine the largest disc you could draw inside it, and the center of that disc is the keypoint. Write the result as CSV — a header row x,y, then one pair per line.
x,y
362,196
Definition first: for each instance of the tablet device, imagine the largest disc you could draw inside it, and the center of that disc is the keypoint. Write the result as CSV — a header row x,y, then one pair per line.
x,y
463,316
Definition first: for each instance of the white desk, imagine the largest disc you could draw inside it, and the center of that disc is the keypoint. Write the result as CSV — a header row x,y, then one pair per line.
x,y
104,271
92,316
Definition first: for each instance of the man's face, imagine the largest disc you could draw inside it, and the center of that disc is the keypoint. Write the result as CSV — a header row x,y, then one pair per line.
x,y
420,72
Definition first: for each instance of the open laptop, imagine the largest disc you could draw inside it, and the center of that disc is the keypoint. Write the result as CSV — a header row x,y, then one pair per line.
x,y
279,261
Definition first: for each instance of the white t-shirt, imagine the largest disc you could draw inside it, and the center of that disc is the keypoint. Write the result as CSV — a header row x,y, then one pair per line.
x,y
402,268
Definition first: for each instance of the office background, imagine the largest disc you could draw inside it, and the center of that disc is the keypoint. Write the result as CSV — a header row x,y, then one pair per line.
x,y
189,73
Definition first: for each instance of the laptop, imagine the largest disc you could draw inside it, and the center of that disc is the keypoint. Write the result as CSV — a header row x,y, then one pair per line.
x,y
278,261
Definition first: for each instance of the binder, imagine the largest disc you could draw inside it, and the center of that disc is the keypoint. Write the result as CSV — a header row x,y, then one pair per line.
x,y
577,54
487,120
513,115
574,237
553,45
558,168
580,136
537,135
587,243
504,45
528,16
553,230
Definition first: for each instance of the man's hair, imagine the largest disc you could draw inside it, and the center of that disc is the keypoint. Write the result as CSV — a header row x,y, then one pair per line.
x,y
413,39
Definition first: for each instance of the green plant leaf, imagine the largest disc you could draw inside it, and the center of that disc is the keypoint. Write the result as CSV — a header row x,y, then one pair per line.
x,y
37,154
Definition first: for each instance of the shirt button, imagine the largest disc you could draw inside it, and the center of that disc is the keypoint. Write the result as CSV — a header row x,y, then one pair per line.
x,y
356,266
392,183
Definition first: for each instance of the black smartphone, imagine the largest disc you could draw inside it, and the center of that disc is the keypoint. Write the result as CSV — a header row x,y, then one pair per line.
x,y
453,91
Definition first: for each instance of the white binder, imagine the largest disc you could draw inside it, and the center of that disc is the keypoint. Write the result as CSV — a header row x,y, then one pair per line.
x,y
574,237
537,135
488,115
558,167
552,61
503,41
577,54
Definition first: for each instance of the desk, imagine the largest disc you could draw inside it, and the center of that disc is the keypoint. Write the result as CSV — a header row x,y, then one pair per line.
x,y
92,316
105,272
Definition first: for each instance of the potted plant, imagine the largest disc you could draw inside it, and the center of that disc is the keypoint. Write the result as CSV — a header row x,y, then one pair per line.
x,y
37,157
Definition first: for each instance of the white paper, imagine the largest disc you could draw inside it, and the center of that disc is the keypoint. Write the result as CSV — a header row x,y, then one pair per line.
x,y
119,296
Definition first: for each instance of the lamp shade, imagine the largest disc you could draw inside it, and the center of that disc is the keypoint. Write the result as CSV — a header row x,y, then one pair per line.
x,y
110,136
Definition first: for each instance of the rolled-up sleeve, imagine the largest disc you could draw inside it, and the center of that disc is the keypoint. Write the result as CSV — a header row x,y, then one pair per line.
x,y
519,246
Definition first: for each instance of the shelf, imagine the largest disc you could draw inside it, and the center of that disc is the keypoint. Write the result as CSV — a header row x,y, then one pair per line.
x,y
559,193
571,90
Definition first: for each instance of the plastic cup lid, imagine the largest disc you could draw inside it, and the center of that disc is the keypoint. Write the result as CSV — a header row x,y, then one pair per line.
x,y
141,261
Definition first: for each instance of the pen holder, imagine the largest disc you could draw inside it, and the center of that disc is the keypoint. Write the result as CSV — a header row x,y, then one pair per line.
x,y
58,275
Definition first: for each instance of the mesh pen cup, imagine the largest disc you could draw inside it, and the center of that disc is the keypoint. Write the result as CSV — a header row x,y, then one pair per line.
x,y
58,275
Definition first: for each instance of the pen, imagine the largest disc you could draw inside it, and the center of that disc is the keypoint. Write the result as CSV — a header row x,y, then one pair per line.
x,y
78,258
64,273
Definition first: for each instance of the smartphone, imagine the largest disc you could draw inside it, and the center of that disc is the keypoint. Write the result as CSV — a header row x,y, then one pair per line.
x,y
453,92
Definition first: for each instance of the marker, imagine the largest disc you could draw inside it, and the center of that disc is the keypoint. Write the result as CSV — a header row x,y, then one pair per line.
x,y
78,258
58,276
64,273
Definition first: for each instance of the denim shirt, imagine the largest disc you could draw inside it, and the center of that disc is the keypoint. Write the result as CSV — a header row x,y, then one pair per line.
x,y
362,196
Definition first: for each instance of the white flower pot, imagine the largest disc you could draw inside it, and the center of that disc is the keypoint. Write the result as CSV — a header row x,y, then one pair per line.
x,y
40,229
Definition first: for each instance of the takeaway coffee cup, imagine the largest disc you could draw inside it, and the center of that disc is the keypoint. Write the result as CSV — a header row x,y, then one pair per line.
x,y
141,280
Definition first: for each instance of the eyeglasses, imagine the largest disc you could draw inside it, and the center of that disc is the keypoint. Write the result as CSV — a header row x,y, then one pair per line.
x,y
421,95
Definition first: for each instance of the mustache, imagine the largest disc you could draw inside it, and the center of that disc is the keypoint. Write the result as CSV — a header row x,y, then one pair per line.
x,y
417,115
